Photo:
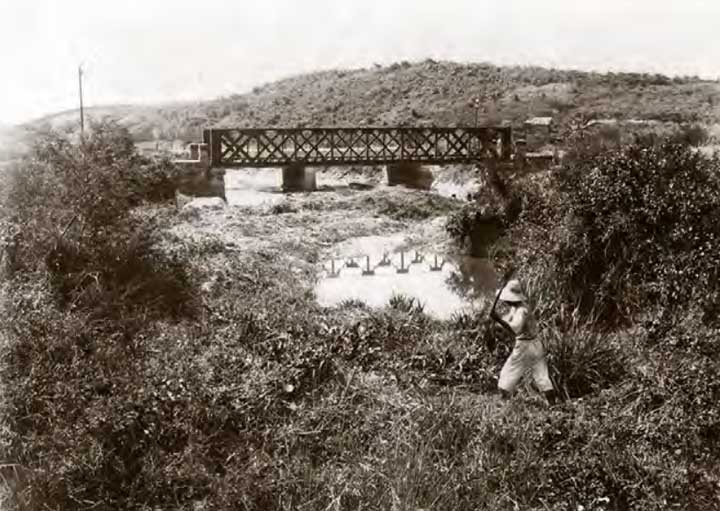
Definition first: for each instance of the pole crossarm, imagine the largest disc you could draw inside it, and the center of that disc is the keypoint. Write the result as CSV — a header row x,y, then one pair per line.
x,y
276,147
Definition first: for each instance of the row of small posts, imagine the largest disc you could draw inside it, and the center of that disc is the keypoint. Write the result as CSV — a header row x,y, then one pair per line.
x,y
334,272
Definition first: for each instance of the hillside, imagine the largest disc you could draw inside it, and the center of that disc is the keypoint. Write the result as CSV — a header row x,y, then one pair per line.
x,y
423,93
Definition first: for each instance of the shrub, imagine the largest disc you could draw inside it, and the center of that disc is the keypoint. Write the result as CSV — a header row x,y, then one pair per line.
x,y
156,181
405,303
121,276
693,135
620,231
282,208
641,228
266,400
77,193
83,287
582,361
411,207
492,210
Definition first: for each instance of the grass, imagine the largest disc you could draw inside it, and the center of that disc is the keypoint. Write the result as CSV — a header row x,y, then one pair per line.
x,y
265,400
411,207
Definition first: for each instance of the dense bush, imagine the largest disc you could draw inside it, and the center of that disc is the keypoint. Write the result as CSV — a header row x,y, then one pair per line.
x,y
69,211
127,390
616,231
481,221
641,228
620,237
78,193
83,285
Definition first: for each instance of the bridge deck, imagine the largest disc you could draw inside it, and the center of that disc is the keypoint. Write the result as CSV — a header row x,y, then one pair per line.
x,y
259,147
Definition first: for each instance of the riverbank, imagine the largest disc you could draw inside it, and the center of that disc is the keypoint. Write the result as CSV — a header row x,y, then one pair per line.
x,y
344,406
215,364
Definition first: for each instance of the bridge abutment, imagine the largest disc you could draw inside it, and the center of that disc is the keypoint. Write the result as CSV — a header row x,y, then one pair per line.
x,y
298,178
197,177
410,174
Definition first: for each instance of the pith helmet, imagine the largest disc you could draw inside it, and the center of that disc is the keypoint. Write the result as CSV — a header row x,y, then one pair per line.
x,y
512,292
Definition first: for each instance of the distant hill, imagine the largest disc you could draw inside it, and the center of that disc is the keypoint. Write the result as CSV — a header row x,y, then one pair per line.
x,y
425,93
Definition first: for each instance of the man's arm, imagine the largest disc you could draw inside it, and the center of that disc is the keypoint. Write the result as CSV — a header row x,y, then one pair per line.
x,y
493,313
507,326
499,319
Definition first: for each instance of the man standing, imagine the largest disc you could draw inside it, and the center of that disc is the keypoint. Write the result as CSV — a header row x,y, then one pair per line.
x,y
528,352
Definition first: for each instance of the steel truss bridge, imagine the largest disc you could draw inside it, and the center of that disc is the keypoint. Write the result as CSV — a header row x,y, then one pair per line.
x,y
280,147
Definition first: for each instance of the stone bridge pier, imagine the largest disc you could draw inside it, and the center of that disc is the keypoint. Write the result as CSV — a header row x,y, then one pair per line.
x,y
296,177
197,177
410,174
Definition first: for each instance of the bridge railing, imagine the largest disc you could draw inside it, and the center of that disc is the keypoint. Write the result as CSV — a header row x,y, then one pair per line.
x,y
258,147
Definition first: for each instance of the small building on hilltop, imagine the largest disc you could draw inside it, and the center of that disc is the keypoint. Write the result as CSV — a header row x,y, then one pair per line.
x,y
541,123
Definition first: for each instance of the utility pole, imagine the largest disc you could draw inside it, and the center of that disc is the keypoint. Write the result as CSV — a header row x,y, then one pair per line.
x,y
82,114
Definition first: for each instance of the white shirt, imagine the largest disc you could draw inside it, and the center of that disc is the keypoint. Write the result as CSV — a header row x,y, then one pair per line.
x,y
522,322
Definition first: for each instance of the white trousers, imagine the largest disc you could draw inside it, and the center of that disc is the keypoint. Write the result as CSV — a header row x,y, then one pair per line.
x,y
526,355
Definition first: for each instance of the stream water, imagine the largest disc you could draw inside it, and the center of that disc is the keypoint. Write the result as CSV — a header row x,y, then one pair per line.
x,y
263,186
253,187
375,268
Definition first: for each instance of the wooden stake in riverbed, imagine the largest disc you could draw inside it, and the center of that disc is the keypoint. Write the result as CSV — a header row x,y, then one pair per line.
x,y
402,268
368,271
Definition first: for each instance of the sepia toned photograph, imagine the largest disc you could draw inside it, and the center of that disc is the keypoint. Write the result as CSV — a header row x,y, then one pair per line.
x,y
402,255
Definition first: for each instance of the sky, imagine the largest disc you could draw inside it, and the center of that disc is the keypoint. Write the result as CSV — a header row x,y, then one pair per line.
x,y
152,51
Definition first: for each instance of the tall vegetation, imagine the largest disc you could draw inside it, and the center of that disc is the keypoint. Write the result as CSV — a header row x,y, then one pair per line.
x,y
82,282
618,231
620,251
641,230
125,388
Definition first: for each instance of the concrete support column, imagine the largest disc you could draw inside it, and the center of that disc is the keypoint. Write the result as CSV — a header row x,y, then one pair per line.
x,y
298,178
410,174
194,151
216,182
